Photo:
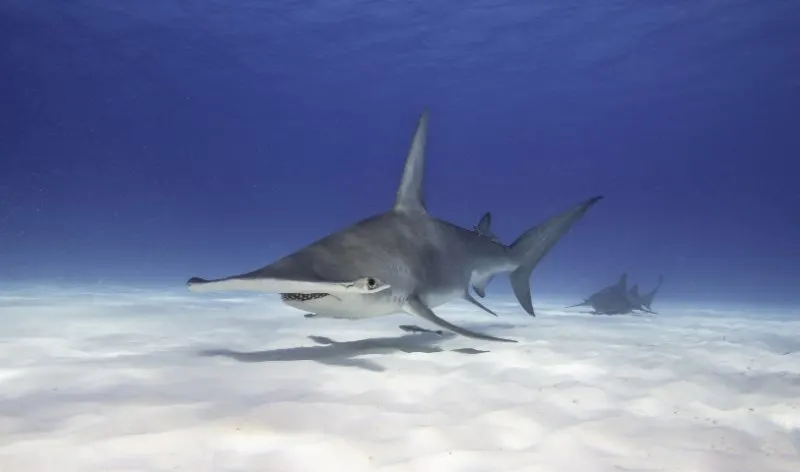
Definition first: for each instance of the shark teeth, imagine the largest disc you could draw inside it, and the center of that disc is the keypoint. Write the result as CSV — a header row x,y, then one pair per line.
x,y
302,297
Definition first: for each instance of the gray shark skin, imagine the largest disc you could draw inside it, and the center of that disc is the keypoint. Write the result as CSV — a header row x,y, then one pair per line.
x,y
618,300
401,261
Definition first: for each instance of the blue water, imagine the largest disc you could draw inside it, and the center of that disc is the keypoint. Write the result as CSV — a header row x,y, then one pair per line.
x,y
146,142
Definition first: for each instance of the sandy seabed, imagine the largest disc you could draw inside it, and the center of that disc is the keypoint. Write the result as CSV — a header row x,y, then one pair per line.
x,y
126,380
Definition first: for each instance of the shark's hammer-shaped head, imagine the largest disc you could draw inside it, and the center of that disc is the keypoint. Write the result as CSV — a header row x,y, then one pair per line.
x,y
356,272
325,296
351,273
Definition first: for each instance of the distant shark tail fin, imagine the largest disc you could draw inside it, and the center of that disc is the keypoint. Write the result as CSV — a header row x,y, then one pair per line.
x,y
647,299
535,243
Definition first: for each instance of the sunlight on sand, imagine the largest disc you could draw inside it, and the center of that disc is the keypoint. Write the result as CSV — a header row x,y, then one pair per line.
x,y
152,381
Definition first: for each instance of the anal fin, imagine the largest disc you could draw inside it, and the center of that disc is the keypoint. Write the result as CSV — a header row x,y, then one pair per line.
x,y
480,286
414,306
468,297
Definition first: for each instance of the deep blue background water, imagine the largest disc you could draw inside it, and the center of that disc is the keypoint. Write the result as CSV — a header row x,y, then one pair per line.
x,y
150,141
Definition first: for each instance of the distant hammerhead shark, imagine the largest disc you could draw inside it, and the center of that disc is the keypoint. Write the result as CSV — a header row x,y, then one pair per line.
x,y
402,261
611,300
617,299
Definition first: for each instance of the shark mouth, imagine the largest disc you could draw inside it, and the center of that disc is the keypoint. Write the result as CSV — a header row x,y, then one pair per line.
x,y
301,297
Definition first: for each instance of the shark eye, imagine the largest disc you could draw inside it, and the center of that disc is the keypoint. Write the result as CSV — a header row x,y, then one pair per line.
x,y
369,285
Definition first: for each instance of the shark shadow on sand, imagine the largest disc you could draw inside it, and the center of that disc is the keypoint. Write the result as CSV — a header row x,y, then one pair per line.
x,y
346,353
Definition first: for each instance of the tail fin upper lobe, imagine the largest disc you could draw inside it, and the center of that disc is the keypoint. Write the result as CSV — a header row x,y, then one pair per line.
x,y
647,299
535,243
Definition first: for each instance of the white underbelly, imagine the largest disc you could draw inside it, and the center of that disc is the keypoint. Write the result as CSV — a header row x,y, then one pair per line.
x,y
355,309
365,311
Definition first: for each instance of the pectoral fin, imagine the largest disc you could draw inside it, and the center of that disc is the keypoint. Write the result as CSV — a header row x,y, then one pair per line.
x,y
414,306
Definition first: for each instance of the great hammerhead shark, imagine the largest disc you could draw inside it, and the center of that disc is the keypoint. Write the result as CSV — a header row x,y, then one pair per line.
x,y
403,260
617,299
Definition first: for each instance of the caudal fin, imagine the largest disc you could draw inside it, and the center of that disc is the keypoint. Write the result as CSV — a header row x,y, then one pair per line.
x,y
647,299
535,243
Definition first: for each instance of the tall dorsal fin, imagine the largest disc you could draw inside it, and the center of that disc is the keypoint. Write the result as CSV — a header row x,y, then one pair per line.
x,y
409,196
622,283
